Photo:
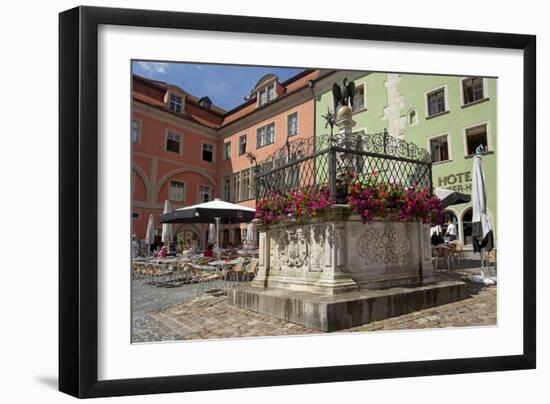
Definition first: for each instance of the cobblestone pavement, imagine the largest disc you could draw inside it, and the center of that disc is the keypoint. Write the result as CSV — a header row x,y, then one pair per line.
x,y
478,310
146,299
168,314
212,317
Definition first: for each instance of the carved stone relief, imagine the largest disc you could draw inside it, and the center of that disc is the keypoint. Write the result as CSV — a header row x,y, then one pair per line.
x,y
318,244
384,244
295,249
277,243
300,248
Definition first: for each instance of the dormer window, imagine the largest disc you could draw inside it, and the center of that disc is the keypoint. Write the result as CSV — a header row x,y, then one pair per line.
x,y
266,89
267,94
205,102
263,97
271,92
175,102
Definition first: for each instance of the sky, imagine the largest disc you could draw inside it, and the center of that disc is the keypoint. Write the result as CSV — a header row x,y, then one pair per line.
x,y
226,85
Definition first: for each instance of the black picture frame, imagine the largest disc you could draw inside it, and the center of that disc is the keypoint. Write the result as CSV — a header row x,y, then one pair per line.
x,y
78,179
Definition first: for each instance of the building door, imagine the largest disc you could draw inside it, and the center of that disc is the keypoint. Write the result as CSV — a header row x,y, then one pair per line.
x,y
225,238
237,237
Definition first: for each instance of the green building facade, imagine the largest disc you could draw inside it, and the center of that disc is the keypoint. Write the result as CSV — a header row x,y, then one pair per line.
x,y
449,116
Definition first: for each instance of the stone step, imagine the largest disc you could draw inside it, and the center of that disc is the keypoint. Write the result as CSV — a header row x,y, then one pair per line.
x,y
337,312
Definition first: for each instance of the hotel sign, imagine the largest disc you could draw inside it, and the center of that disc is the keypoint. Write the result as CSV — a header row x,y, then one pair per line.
x,y
458,182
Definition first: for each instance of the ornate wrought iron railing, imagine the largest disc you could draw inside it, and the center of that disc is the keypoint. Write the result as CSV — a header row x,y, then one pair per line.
x,y
331,162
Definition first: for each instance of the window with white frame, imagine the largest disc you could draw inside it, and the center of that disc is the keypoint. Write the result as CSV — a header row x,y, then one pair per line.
x,y
135,130
205,193
292,124
265,135
270,133
359,98
227,188
271,92
208,152
263,97
236,186
267,94
173,142
227,150
175,102
472,90
245,185
439,148
436,102
252,192
176,191
260,137
242,145
475,137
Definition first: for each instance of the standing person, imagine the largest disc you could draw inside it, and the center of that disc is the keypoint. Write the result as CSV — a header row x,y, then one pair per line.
x,y
451,231
135,247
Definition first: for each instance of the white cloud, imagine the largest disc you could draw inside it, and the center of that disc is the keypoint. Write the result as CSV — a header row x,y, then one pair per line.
x,y
156,67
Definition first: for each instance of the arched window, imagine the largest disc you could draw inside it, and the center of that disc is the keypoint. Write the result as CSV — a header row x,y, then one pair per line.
x,y
412,117
449,215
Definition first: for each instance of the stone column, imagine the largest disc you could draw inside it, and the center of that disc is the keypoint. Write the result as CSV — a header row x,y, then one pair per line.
x,y
425,248
333,279
345,124
260,281
344,121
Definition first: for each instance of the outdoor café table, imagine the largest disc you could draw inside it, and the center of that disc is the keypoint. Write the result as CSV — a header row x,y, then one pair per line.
x,y
202,267
223,265
164,261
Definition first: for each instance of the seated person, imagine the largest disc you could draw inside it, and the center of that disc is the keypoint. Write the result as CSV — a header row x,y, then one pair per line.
x,y
437,239
162,251
209,252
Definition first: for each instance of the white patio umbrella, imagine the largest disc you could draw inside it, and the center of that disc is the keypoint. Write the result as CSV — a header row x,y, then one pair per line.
x,y
250,235
167,227
216,211
150,233
250,232
482,230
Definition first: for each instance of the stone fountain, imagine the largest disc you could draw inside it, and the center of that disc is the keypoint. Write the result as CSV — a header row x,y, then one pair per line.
x,y
334,272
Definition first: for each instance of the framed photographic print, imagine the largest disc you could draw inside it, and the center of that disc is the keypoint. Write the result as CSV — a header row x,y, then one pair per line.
x,y
251,201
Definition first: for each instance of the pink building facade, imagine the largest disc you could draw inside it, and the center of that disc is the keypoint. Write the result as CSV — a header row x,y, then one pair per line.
x,y
187,150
